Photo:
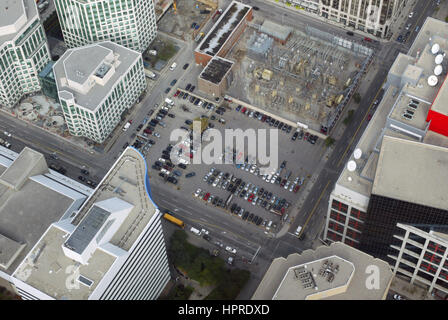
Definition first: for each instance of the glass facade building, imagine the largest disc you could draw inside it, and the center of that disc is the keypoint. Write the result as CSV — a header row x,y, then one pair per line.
x,y
131,23
23,52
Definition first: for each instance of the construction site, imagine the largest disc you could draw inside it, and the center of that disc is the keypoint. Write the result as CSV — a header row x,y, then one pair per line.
x,y
186,18
304,76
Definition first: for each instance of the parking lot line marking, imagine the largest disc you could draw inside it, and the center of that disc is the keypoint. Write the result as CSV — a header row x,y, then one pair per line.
x,y
361,123
314,208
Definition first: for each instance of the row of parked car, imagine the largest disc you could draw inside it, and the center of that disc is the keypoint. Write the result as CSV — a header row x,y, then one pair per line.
x,y
306,136
274,177
264,118
250,192
233,208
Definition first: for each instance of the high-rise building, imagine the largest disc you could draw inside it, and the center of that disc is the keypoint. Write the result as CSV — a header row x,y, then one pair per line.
x,y
390,199
32,197
96,84
371,16
23,50
129,23
113,247
330,272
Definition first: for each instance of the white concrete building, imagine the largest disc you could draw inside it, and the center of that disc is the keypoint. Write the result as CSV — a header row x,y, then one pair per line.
x,y
375,180
129,23
96,84
112,248
335,272
371,16
23,50
32,197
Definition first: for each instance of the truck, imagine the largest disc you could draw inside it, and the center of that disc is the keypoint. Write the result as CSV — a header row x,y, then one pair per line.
x,y
126,126
174,220
169,101
199,37
229,200
195,231
149,74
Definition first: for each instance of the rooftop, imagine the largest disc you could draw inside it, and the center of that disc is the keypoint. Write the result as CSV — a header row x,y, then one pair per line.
x,y
45,266
404,111
338,271
223,28
413,172
28,208
216,69
14,15
275,30
311,280
88,74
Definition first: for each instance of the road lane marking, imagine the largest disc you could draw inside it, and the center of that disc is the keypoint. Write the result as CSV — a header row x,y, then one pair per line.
x,y
361,123
314,209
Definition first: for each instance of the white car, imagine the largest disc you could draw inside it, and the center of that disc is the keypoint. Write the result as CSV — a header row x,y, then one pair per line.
x,y
286,185
231,250
156,134
411,14
291,188
197,193
273,179
252,169
215,183
299,228
6,133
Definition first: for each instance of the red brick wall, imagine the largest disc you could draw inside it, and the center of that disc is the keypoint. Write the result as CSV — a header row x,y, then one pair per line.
x,y
202,58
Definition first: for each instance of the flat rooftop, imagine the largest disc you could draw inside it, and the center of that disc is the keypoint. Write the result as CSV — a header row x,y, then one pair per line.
x,y
413,172
216,70
285,278
79,65
125,181
223,28
308,280
415,117
26,212
440,104
367,143
275,30
14,15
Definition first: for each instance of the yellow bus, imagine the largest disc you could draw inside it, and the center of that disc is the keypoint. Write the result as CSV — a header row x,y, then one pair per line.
x,y
174,220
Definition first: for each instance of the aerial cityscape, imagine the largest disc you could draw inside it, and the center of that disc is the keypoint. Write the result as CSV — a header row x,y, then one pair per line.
x,y
236,150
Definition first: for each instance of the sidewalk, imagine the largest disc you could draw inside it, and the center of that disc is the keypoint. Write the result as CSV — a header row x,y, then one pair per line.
x,y
409,291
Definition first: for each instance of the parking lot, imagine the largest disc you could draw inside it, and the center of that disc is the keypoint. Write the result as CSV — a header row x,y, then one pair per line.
x,y
259,202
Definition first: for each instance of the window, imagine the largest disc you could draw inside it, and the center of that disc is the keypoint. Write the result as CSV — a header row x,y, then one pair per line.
x,y
339,206
337,216
358,214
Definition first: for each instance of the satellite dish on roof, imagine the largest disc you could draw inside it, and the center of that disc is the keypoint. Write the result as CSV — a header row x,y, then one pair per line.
x,y
351,166
432,81
438,70
435,48
357,154
439,59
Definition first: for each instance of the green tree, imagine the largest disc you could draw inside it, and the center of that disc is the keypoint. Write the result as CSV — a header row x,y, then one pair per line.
x,y
349,117
329,141
357,97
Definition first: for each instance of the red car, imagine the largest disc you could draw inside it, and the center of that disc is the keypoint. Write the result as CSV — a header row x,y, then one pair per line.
x,y
251,197
263,119
147,131
243,110
296,188
369,117
177,93
306,136
283,183
206,197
